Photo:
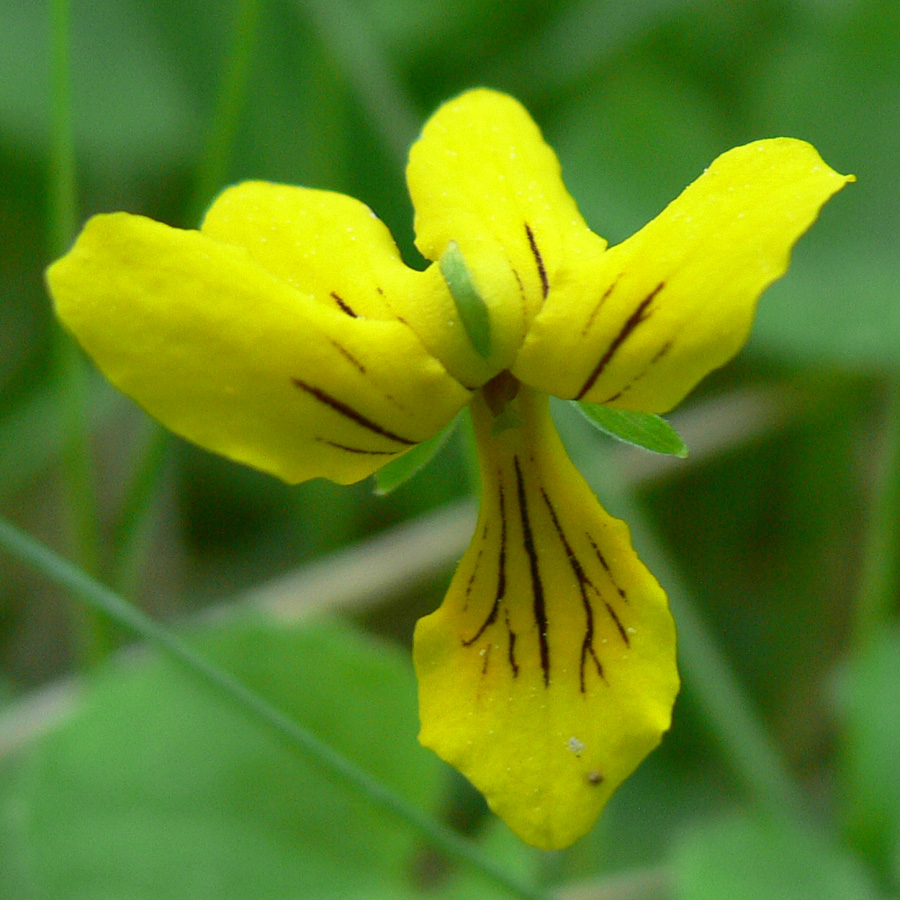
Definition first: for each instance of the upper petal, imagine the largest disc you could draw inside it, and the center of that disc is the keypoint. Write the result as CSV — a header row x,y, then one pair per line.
x,y
240,361
676,300
481,176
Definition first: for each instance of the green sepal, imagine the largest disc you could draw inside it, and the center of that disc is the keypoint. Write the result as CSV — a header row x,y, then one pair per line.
x,y
398,471
641,429
473,311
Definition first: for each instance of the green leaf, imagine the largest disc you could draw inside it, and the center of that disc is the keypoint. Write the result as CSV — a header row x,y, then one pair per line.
x,y
397,472
640,429
470,305
156,788
871,715
755,858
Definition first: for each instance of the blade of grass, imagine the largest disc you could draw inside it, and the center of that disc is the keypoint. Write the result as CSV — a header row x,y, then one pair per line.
x,y
212,171
83,586
92,634
342,28
130,537
131,532
880,575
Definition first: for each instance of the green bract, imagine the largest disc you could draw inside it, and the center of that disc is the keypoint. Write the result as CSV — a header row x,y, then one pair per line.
x,y
472,312
399,471
645,430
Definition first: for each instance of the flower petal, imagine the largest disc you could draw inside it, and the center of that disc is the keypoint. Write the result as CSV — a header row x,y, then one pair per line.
x,y
481,176
231,357
677,299
323,243
548,673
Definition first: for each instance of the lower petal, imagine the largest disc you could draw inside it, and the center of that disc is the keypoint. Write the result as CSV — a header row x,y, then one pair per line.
x,y
549,672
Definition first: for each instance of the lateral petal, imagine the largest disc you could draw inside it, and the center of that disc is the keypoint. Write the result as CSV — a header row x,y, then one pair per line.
x,y
548,673
323,243
237,360
481,176
676,300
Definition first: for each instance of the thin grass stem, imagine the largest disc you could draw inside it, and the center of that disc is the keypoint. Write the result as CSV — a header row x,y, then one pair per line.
x,y
343,29
88,589
130,536
92,632
880,576
215,161
62,182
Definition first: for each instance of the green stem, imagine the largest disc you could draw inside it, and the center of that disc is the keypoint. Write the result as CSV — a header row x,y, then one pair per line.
x,y
212,171
728,711
82,520
342,28
67,576
880,576
130,537
63,191
131,534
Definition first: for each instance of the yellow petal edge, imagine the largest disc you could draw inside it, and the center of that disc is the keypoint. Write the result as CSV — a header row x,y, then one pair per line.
x,y
548,673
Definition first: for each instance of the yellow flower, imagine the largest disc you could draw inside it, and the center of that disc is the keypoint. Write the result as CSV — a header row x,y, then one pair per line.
x,y
288,334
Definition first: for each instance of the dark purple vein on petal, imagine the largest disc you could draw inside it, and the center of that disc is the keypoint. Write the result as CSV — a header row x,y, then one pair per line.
x,y
600,302
522,298
539,260
587,644
471,581
361,450
349,413
656,358
537,587
511,648
348,355
501,578
632,322
605,564
344,305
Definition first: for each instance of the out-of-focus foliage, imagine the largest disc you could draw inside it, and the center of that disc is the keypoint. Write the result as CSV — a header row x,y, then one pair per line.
x,y
745,858
149,787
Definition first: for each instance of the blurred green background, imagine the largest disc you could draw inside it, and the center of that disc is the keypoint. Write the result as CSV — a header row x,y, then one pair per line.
x,y
127,779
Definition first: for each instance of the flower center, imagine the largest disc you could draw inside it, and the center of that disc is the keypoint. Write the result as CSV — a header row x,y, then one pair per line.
x,y
499,391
